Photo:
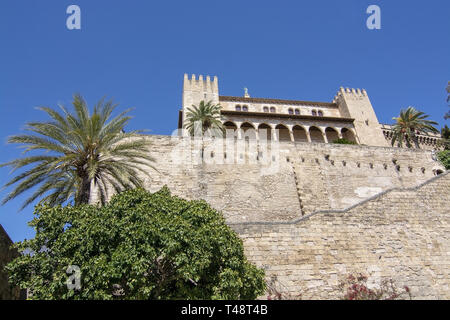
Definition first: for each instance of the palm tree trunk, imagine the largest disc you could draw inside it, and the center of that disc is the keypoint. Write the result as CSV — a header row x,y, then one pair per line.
x,y
408,140
84,193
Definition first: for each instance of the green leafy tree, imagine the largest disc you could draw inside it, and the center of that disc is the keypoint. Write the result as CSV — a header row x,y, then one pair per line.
x,y
410,123
138,246
76,149
203,117
445,132
444,158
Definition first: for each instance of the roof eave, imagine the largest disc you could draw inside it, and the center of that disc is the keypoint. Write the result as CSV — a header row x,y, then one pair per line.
x,y
282,115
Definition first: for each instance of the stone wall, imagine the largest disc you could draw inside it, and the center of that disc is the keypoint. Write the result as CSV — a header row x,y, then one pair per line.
x,y
335,176
402,234
253,183
6,255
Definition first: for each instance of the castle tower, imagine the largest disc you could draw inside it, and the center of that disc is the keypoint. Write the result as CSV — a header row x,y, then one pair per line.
x,y
355,103
196,90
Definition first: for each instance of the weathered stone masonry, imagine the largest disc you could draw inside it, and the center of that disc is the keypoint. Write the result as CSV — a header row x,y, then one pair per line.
x,y
403,234
306,176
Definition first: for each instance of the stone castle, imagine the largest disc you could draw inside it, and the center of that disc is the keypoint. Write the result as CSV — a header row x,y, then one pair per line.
x,y
310,211
350,115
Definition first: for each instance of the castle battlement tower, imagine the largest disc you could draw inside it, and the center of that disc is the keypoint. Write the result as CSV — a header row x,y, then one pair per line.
x,y
196,90
355,103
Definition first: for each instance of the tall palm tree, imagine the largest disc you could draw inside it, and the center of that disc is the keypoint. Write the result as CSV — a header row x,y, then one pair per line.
x,y
78,149
410,123
206,115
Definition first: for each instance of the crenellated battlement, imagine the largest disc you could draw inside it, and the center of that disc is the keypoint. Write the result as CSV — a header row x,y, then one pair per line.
x,y
201,84
349,92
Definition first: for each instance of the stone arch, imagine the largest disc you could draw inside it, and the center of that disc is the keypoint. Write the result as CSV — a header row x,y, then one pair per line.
x,y
230,128
230,125
299,134
332,134
283,133
248,131
348,135
246,126
316,134
265,132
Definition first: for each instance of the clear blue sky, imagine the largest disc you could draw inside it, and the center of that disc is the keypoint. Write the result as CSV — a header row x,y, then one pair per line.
x,y
137,52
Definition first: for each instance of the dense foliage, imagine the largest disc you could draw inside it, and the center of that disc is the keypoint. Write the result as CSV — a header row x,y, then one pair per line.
x,y
138,246
444,158
445,134
74,149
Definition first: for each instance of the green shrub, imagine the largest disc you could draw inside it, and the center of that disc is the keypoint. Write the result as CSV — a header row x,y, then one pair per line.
x,y
444,158
138,246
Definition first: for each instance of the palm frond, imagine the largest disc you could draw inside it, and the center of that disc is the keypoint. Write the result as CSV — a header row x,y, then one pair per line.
x,y
204,117
84,147
408,124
